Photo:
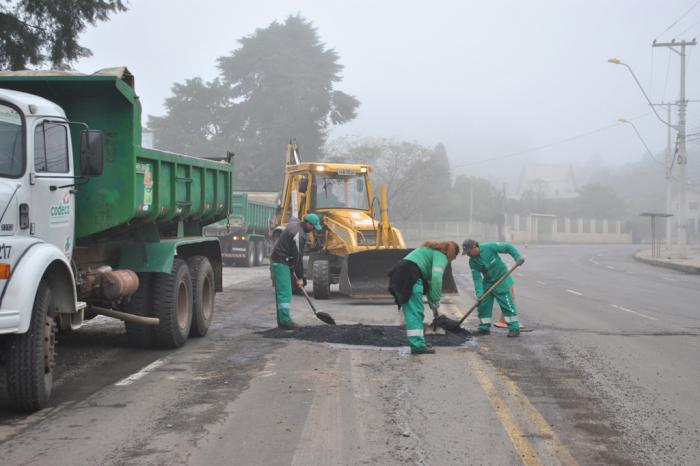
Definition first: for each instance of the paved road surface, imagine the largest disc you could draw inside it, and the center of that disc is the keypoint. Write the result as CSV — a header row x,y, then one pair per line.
x,y
607,376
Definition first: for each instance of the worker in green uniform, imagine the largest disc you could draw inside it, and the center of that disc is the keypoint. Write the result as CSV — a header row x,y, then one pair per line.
x,y
287,259
487,268
423,267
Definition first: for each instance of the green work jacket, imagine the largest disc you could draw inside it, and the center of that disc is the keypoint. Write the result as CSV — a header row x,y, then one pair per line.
x,y
488,267
432,264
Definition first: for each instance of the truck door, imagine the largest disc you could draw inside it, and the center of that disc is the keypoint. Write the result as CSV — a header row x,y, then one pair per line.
x,y
53,206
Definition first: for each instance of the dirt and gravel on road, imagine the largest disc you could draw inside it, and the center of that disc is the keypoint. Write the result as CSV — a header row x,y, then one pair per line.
x,y
251,394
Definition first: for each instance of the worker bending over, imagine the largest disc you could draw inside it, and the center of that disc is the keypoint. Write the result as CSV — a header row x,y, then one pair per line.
x,y
287,259
423,267
487,268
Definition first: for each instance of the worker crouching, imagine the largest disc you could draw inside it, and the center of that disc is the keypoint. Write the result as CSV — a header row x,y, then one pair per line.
x,y
422,268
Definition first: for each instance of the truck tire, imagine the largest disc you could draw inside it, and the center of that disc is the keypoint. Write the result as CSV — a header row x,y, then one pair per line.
x,y
141,304
203,293
31,356
172,304
321,279
259,252
249,260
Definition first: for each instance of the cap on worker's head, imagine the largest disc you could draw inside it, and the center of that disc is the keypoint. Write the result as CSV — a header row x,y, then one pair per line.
x,y
314,220
468,245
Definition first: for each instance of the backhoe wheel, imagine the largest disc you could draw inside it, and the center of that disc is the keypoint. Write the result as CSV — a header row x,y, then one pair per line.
x,y
172,304
31,357
141,304
321,279
259,252
202,295
250,255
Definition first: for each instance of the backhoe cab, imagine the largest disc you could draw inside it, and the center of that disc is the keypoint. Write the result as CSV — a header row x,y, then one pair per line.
x,y
359,245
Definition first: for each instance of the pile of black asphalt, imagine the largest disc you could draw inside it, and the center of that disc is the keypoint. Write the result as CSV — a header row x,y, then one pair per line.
x,y
364,335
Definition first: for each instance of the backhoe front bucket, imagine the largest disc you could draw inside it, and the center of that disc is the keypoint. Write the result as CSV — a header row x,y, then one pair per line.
x,y
366,274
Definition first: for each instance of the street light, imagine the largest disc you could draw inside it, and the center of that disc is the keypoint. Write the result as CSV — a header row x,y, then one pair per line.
x,y
622,120
669,179
617,61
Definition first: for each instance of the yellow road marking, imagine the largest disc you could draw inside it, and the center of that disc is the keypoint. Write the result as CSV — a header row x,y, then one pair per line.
x,y
545,429
560,451
517,438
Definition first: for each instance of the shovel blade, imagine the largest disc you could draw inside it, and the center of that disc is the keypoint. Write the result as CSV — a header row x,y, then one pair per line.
x,y
325,318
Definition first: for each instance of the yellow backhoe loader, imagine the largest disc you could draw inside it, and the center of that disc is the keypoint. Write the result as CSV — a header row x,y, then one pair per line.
x,y
358,246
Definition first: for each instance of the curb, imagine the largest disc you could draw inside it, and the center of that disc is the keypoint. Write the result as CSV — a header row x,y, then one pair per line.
x,y
691,269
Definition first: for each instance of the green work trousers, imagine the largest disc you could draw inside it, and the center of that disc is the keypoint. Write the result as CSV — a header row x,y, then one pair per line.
x,y
413,315
507,305
282,279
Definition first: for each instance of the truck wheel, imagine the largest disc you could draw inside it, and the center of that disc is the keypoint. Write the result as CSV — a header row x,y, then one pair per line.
x,y
202,295
172,304
259,252
250,255
141,304
31,357
321,279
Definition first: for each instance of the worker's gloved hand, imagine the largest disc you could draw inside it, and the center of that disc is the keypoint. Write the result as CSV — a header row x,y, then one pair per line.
x,y
520,261
301,282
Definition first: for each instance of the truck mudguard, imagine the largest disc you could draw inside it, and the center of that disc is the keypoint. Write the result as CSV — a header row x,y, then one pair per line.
x,y
30,260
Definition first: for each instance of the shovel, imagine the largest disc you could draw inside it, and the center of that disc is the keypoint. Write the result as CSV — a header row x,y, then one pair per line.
x,y
325,317
452,324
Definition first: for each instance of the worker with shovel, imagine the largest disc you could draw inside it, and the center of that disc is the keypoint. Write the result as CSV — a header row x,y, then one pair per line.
x,y
287,258
487,269
423,267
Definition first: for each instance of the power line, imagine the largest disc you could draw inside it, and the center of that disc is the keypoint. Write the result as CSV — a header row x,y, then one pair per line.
x,y
546,146
690,27
679,19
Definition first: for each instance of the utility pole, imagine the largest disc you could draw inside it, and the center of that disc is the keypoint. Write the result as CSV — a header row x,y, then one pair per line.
x,y
668,163
682,157
669,180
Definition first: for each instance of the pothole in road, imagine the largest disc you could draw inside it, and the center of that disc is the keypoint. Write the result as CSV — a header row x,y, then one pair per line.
x,y
391,336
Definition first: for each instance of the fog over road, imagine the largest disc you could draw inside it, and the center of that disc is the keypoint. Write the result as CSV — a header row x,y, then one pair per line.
x,y
607,375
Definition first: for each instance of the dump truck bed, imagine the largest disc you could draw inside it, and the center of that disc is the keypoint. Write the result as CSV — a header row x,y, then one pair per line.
x,y
139,185
255,209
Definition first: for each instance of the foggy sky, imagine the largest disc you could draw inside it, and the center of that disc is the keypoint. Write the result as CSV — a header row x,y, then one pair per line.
x,y
485,78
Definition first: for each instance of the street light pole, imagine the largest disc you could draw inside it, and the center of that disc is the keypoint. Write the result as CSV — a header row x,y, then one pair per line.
x,y
667,165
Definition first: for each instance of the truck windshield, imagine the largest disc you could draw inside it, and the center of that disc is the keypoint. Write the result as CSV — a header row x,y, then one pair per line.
x,y
10,142
334,191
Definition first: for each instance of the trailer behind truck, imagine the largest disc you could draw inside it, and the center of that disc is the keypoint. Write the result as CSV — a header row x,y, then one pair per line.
x,y
93,223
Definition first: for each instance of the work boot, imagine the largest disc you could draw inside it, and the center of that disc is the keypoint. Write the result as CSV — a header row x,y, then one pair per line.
x,y
480,332
291,326
428,349
513,333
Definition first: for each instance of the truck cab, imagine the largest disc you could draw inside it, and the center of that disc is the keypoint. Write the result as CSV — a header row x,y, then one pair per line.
x,y
75,242
37,203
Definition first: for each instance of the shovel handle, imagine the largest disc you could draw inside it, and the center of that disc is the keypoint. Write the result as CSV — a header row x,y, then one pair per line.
x,y
313,308
488,292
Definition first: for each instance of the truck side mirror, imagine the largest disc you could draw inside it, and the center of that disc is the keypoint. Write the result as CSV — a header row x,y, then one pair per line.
x,y
91,153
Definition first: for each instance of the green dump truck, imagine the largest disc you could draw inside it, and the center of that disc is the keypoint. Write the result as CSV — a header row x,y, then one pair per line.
x,y
245,235
93,223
